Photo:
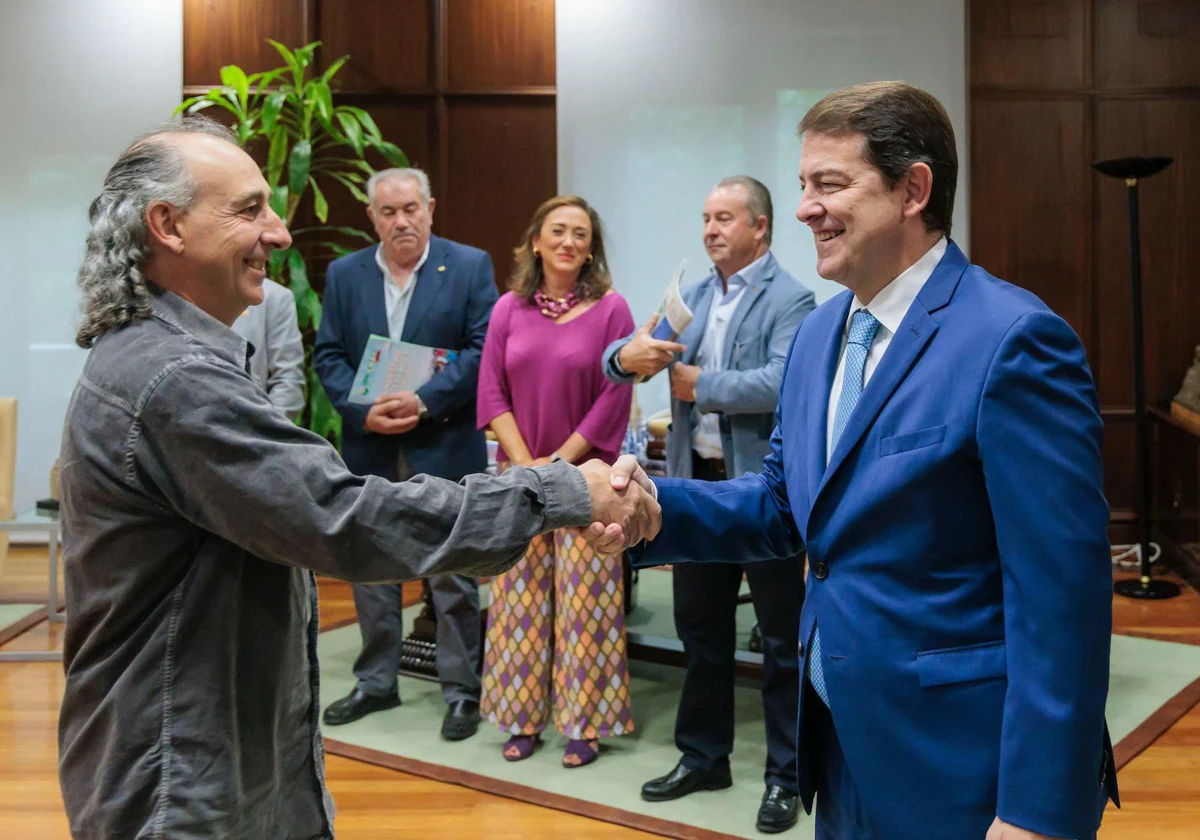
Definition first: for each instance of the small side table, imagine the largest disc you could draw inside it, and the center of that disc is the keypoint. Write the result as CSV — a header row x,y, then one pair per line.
x,y
34,520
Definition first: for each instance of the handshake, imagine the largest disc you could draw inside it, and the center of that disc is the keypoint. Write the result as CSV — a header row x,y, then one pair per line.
x,y
624,508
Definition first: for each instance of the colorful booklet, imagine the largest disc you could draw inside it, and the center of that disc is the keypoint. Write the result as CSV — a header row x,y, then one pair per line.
x,y
389,366
673,314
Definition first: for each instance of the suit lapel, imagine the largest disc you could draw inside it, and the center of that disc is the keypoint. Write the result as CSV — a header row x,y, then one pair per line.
x,y
430,280
915,332
699,320
371,289
818,402
753,291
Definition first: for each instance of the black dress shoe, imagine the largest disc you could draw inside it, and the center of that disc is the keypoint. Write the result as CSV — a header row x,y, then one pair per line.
x,y
683,780
778,812
461,721
358,704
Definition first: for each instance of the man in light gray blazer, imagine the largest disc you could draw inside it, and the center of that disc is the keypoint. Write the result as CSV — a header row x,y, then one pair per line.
x,y
724,391
277,364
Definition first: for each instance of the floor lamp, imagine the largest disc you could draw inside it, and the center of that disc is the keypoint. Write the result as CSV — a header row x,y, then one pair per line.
x,y
1132,170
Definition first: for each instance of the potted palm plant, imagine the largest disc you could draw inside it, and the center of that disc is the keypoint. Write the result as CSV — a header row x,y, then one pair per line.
x,y
290,111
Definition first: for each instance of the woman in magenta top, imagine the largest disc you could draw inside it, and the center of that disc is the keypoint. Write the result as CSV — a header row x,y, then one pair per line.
x,y
556,620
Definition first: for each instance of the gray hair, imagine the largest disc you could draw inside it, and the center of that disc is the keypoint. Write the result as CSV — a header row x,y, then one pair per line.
x,y
111,284
758,199
416,175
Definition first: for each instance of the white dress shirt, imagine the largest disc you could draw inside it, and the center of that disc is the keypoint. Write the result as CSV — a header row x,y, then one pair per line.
x,y
706,435
889,308
397,299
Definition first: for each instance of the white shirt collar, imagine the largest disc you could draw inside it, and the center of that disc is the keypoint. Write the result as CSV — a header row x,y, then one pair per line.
x,y
748,274
381,261
891,305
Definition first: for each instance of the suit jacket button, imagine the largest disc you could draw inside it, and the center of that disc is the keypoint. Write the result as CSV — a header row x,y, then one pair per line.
x,y
820,571
800,650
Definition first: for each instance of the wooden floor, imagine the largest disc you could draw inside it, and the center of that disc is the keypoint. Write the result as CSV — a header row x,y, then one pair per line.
x,y
1160,788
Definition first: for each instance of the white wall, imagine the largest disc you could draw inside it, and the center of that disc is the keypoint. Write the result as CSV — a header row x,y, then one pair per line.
x,y
659,99
83,78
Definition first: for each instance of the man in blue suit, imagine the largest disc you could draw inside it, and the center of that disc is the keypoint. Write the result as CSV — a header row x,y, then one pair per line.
x,y
937,450
724,391
422,289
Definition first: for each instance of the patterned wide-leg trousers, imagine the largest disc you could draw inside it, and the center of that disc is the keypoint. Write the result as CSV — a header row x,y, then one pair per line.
x,y
556,642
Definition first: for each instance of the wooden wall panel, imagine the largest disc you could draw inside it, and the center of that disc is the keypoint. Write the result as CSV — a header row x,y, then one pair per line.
x,y
492,194
1028,155
495,44
391,45
1152,43
1018,43
220,32
1170,218
1120,476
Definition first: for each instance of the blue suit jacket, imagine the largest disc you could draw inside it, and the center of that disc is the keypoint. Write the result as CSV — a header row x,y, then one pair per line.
x,y
450,307
746,390
958,555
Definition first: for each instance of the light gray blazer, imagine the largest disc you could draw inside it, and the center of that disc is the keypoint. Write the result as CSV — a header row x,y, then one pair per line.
x,y
746,392
278,361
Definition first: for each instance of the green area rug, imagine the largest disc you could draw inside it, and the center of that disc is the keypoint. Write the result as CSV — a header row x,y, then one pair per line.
x,y
12,613
1145,675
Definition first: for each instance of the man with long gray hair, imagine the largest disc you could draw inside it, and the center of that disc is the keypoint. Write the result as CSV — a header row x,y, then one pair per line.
x,y
188,501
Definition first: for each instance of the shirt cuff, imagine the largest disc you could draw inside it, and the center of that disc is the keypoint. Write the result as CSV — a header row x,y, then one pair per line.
x,y
615,364
422,409
568,504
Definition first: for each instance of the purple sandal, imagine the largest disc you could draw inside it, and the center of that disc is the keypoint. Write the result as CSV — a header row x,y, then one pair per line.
x,y
520,747
580,753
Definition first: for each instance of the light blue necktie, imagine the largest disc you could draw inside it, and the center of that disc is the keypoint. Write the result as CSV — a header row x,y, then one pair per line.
x,y
863,327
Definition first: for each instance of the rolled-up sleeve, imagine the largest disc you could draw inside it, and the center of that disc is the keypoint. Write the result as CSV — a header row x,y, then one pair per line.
x,y
212,448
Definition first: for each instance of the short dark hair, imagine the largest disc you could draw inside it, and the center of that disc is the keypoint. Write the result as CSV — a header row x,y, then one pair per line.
x,y
901,125
758,199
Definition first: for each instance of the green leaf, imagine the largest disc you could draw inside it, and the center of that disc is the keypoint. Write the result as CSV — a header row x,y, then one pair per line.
x,y
351,186
288,55
342,229
323,418
333,68
368,123
297,272
234,77
304,55
299,162
392,152
271,109
276,156
353,131
277,262
315,307
320,205
279,200
303,311
341,250
323,99
199,105
184,105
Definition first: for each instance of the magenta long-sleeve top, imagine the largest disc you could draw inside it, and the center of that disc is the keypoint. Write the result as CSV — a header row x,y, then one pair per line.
x,y
549,376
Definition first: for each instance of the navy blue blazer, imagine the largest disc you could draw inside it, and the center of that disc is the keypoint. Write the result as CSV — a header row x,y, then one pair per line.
x,y
958,554
451,303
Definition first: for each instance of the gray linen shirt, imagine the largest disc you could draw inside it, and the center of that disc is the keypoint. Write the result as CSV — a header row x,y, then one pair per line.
x,y
277,364
191,508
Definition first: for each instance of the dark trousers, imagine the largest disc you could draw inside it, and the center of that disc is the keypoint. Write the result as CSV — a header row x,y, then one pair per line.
x,y
705,619
459,636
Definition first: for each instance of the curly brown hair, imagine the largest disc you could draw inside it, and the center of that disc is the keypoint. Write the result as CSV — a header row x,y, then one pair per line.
x,y
594,280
